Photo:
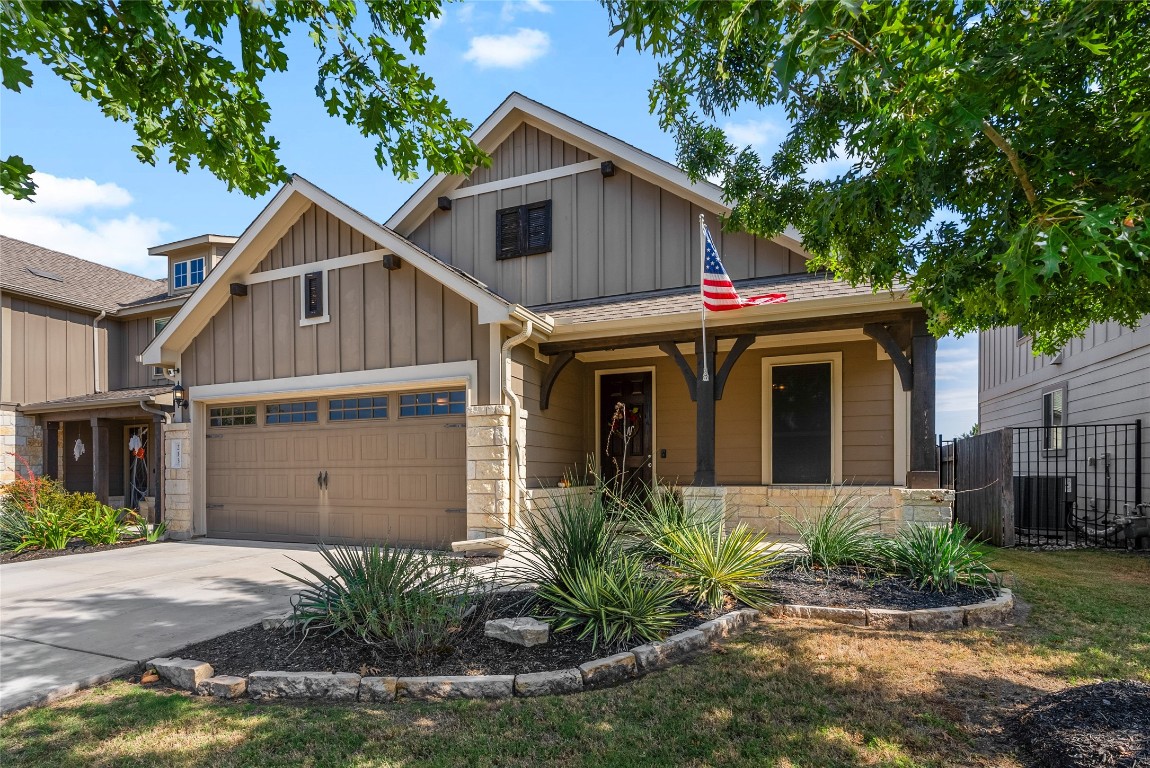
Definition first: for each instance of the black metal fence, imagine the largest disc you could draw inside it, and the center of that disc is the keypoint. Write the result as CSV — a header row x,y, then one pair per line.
x,y
1068,485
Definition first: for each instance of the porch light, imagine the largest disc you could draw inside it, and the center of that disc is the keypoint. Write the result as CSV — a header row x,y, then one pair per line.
x,y
178,398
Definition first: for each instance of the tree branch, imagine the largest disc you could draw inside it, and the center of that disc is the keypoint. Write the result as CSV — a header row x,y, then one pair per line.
x,y
1000,142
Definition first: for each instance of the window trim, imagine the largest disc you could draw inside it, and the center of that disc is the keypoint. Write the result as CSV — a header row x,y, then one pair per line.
x,y
1048,430
189,285
304,320
835,358
521,248
159,371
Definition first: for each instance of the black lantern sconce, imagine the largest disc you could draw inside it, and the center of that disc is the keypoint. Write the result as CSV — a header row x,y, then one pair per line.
x,y
178,396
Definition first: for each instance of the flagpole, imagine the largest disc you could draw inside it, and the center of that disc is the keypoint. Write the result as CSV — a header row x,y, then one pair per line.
x,y
702,298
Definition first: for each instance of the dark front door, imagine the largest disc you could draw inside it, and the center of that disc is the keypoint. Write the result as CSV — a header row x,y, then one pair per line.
x,y
801,423
625,410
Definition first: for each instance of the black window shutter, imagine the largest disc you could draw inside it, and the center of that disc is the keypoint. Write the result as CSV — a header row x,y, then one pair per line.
x,y
313,294
507,233
523,230
538,227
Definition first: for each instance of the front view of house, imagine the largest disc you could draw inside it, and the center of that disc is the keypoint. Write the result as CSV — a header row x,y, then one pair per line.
x,y
427,380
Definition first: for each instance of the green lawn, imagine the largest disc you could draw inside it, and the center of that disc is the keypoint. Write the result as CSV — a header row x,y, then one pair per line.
x,y
787,694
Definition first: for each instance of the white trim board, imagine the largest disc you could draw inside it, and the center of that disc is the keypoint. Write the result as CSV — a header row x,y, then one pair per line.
x,y
373,380
524,180
299,270
835,359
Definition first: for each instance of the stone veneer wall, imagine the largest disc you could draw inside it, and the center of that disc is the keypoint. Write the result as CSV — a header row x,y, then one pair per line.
x,y
178,481
767,507
20,438
488,470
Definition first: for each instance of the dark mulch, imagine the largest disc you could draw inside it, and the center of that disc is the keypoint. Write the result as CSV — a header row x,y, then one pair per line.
x,y
75,547
248,650
862,589
1105,724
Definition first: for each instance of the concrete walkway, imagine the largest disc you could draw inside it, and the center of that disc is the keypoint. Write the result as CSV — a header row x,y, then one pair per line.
x,y
71,622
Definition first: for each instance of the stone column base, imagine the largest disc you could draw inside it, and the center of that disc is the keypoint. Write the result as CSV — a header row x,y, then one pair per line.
x,y
177,506
488,470
21,445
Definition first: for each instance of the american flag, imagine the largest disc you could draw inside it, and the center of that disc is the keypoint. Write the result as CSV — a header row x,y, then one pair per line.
x,y
719,292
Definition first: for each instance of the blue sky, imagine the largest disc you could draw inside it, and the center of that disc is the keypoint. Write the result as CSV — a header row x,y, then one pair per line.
x,y
97,201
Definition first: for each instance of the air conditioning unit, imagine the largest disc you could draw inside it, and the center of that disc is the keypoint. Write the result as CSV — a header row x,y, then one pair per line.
x,y
1043,502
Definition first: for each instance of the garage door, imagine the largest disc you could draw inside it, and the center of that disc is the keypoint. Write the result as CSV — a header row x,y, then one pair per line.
x,y
387,467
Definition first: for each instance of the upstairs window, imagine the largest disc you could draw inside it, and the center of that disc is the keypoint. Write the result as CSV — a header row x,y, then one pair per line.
x,y
523,230
188,273
313,295
158,324
1054,418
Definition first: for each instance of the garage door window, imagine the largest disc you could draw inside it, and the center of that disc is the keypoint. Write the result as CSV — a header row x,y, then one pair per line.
x,y
232,416
357,408
433,404
293,413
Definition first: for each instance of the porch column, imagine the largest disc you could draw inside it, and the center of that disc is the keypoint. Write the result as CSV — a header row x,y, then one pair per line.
x,y
705,412
100,459
923,459
156,468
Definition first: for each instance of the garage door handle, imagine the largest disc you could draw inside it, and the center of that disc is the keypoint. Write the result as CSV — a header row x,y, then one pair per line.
x,y
325,479
319,479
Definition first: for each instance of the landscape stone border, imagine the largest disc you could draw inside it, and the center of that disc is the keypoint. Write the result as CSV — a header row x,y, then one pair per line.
x,y
199,677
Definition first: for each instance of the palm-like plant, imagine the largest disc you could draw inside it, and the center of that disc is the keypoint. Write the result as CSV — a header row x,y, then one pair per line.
x,y
842,533
709,564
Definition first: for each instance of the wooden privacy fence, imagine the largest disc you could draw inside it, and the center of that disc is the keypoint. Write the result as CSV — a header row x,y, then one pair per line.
x,y
983,485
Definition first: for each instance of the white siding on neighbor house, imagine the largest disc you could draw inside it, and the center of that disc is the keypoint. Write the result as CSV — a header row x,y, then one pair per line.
x,y
1106,373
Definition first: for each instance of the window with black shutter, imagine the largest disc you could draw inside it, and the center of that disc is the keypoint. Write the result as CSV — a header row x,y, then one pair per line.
x,y
313,295
523,230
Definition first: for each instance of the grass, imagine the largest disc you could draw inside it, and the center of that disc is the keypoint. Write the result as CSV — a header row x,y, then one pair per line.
x,y
788,694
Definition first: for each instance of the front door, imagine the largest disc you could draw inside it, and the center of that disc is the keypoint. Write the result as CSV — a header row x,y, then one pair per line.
x,y
625,411
801,423
137,475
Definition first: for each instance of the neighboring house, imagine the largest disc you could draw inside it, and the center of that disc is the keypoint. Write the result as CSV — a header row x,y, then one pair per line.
x,y
75,403
1102,379
426,380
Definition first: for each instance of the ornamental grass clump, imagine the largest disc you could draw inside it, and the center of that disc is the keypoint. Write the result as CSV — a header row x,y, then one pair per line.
x,y
842,533
937,558
393,600
709,564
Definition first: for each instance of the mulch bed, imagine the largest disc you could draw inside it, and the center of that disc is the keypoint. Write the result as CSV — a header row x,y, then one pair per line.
x,y
75,547
862,589
252,649
1105,724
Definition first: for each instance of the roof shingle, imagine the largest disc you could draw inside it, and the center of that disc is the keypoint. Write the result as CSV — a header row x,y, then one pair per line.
x,y
37,271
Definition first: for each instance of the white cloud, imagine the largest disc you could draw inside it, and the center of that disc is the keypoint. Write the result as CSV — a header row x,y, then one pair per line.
x,y
513,8
72,216
508,51
756,133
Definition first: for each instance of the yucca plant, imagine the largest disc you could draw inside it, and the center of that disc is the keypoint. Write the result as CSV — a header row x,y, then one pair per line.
x,y
842,533
937,558
101,524
615,603
709,564
412,601
576,531
660,512
14,529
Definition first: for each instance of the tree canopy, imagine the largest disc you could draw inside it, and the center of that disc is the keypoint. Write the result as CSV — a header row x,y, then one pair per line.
x,y
162,66
999,150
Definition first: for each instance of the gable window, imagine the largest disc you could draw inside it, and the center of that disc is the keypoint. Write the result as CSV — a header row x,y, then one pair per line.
x,y
313,298
523,230
292,413
158,324
188,273
1054,418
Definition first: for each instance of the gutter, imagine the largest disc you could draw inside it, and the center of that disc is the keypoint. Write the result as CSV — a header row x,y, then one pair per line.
x,y
509,395
167,417
96,350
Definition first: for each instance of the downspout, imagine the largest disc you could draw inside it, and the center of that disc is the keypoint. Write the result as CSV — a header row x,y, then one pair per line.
x,y
513,432
167,417
96,350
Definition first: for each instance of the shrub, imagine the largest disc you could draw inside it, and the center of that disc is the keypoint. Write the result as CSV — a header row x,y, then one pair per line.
x,y
403,599
709,564
50,527
614,603
937,558
14,529
100,524
842,533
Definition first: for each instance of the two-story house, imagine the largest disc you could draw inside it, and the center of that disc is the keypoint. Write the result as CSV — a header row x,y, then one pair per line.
x,y
75,402
427,379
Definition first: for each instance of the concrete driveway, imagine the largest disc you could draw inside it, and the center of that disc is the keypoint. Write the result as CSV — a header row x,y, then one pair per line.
x,y
71,622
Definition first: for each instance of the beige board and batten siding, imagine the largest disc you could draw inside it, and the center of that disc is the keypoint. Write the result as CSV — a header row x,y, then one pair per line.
x,y
47,352
557,437
867,423
527,150
127,339
610,236
379,318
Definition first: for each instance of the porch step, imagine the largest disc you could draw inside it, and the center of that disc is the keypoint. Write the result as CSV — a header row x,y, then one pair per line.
x,y
492,545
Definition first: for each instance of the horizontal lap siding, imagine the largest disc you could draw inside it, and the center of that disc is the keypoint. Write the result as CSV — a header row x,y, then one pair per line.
x,y
610,236
379,319
556,438
51,352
